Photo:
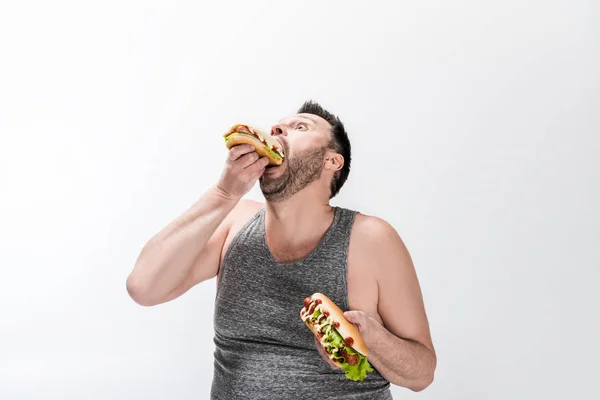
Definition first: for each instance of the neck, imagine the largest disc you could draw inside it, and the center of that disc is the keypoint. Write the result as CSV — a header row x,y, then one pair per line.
x,y
299,219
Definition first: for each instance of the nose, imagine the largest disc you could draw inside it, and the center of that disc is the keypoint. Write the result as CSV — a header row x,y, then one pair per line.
x,y
278,130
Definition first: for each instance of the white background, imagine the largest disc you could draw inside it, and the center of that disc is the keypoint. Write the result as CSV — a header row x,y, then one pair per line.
x,y
474,128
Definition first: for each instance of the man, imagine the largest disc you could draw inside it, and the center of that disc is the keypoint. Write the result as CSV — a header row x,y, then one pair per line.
x,y
268,257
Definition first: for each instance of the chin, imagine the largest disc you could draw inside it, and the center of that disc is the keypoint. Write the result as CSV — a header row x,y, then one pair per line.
x,y
274,171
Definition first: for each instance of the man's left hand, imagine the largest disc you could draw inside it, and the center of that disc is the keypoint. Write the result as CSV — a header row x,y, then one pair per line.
x,y
367,325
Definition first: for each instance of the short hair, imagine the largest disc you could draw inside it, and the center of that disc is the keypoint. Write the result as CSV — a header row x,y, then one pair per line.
x,y
339,142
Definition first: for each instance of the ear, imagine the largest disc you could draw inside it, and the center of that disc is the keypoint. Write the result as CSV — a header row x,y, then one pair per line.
x,y
333,161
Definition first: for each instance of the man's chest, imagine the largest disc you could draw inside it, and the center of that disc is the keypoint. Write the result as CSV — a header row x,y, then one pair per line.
x,y
360,273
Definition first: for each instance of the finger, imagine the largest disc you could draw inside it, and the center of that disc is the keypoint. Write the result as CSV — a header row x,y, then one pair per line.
x,y
318,344
331,363
247,159
324,354
238,151
353,316
320,349
259,165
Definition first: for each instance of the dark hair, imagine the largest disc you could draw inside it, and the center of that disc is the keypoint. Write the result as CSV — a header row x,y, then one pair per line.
x,y
339,142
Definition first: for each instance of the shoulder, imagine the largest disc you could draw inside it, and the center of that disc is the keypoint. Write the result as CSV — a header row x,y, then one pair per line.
x,y
378,241
248,207
239,216
371,229
244,210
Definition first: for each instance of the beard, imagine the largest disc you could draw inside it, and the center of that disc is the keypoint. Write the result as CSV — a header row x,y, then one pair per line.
x,y
301,170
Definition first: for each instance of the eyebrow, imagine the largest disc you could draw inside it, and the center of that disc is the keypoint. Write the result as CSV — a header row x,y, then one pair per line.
x,y
294,119
311,119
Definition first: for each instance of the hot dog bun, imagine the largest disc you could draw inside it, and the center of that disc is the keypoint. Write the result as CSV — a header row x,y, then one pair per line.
x,y
345,328
265,144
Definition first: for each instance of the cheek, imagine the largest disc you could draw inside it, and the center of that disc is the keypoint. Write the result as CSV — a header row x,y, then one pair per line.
x,y
302,143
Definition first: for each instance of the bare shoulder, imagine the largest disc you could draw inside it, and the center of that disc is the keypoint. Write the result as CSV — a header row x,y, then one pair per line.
x,y
371,224
371,230
378,240
365,266
244,210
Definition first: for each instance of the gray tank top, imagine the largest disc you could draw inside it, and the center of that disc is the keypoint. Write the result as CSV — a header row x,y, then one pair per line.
x,y
263,350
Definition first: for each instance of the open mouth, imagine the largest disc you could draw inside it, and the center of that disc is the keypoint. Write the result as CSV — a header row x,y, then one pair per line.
x,y
273,168
283,161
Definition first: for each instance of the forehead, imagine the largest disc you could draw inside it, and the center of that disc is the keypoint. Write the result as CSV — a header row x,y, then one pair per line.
x,y
311,119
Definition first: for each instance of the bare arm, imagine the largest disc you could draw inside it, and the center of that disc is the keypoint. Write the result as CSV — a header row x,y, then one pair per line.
x,y
401,349
187,251
184,253
404,362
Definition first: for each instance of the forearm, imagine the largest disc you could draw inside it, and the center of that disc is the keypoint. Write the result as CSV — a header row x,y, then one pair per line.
x,y
167,258
402,362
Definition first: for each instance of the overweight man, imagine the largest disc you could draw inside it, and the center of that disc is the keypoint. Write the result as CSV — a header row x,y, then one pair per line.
x,y
267,257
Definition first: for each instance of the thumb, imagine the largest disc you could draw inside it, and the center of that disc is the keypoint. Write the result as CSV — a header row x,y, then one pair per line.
x,y
352,316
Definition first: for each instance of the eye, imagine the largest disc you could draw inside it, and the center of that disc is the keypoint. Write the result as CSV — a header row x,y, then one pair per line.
x,y
301,127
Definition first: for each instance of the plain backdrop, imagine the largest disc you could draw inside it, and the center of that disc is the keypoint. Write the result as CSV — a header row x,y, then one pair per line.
x,y
475,131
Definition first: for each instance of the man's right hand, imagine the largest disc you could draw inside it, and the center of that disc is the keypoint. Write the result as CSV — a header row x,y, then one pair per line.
x,y
242,169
